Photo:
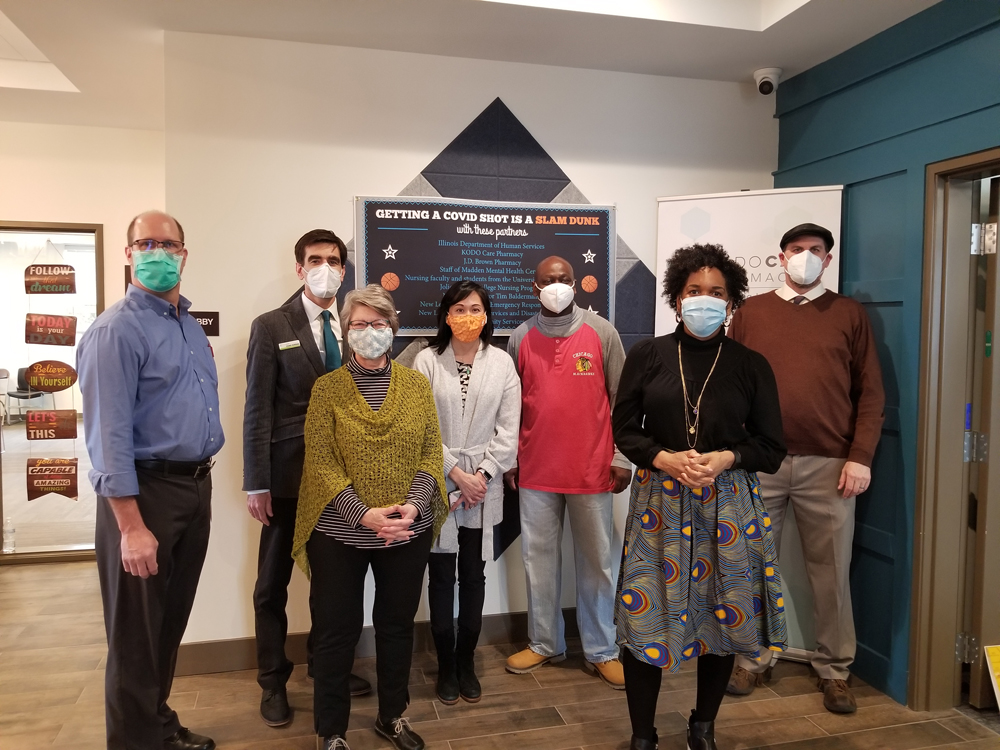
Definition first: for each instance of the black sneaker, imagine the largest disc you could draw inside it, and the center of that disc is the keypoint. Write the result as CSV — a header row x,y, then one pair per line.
x,y
398,732
334,742
274,708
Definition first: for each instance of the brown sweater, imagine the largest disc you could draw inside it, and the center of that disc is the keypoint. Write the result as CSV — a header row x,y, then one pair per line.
x,y
825,362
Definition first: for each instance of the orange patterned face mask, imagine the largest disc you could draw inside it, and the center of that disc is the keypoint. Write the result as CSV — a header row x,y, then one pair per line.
x,y
466,328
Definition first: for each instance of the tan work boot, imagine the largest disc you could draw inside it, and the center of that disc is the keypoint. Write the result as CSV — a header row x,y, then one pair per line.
x,y
837,696
527,661
744,681
610,671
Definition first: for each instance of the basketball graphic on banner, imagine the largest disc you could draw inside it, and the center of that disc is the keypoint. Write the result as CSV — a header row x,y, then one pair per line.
x,y
390,281
589,284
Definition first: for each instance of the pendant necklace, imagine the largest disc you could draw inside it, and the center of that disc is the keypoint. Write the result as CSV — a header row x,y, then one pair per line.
x,y
691,422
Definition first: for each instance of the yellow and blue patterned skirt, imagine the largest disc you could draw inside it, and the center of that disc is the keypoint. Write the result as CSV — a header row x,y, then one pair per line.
x,y
699,574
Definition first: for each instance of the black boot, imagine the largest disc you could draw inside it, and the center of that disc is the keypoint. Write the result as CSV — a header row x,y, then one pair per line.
x,y
641,744
701,734
447,681
465,663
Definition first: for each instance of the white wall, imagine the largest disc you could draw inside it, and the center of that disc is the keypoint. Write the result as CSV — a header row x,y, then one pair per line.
x,y
82,174
265,140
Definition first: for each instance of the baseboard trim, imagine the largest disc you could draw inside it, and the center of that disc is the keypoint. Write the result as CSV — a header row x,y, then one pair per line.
x,y
236,654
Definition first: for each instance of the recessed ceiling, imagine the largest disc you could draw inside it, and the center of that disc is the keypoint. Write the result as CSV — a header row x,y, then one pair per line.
x,y
22,64
750,15
112,50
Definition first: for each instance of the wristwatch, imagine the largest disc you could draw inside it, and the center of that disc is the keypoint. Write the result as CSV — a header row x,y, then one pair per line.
x,y
486,475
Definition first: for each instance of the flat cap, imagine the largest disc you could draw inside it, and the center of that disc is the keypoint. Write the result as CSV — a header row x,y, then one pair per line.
x,y
808,230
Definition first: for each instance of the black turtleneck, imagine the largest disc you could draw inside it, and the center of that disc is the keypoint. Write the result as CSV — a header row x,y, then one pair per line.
x,y
739,410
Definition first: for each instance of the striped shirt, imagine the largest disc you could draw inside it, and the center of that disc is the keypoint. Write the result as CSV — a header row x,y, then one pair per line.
x,y
341,518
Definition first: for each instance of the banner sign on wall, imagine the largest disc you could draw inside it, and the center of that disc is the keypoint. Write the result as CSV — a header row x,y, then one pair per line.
x,y
50,376
50,424
749,225
57,330
49,279
48,475
416,248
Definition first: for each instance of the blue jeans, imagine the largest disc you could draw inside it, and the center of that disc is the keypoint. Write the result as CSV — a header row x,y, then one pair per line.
x,y
590,519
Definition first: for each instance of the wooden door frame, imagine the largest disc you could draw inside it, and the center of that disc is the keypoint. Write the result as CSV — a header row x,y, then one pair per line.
x,y
936,603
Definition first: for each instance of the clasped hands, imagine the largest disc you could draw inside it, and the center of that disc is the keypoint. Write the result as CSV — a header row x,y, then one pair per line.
x,y
472,487
693,469
391,523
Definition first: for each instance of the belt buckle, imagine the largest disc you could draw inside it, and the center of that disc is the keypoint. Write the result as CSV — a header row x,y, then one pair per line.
x,y
204,470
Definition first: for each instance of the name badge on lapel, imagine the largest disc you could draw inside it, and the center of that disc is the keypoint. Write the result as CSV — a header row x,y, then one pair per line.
x,y
289,345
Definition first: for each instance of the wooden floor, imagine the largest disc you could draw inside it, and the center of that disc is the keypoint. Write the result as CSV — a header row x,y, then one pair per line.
x,y
51,690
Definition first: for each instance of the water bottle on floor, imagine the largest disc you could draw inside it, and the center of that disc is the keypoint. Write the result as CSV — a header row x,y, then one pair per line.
x,y
8,535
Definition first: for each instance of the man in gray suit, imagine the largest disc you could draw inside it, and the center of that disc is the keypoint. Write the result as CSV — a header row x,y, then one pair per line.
x,y
289,349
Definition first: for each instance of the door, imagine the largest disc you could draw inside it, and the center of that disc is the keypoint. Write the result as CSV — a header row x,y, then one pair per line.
x,y
981,610
955,607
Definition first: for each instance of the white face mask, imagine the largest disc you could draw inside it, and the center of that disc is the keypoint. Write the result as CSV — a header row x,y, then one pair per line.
x,y
804,268
323,281
556,297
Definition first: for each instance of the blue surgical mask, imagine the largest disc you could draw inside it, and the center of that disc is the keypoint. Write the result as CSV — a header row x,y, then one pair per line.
x,y
369,343
703,315
157,270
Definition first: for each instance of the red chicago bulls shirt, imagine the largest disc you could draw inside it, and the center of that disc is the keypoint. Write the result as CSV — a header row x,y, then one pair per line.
x,y
569,367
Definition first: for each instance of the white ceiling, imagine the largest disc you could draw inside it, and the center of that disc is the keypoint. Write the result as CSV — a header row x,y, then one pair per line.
x,y
112,50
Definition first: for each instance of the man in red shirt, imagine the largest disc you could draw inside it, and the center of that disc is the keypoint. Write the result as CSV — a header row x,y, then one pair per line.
x,y
569,361
822,350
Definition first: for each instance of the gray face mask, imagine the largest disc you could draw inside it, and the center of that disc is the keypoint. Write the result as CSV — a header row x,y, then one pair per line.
x,y
369,343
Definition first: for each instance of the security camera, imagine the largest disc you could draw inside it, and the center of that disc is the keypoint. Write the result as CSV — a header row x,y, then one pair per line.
x,y
767,79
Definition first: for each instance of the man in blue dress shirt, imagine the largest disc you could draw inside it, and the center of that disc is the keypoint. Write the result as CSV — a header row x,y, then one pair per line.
x,y
151,413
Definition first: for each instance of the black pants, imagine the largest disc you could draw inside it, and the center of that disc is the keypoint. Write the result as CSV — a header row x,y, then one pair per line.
x,y
145,618
338,596
642,688
471,586
270,595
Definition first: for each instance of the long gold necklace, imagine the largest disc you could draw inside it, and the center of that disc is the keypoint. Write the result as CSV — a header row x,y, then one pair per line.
x,y
692,422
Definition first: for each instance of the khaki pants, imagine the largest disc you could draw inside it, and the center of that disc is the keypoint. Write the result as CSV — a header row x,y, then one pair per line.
x,y
826,526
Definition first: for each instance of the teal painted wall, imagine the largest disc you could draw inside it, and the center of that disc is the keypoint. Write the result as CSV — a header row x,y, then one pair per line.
x,y
872,119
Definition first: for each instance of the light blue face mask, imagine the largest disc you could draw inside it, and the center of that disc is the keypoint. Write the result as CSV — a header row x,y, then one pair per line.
x,y
703,314
369,343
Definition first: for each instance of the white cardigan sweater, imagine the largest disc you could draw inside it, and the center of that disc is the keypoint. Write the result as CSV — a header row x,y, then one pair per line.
x,y
483,437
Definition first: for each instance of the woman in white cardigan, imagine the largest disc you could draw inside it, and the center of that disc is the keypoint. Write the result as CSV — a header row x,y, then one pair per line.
x,y
478,398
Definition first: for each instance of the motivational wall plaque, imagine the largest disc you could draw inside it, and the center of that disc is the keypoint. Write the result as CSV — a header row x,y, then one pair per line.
x,y
416,248
50,424
57,330
52,475
49,279
50,376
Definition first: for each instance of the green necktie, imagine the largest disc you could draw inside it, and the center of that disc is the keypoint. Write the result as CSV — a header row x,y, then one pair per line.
x,y
330,344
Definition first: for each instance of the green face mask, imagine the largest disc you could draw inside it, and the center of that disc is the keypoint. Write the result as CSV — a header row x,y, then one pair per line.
x,y
158,271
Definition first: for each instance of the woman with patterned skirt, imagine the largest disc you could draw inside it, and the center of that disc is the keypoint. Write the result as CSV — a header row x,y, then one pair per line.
x,y
698,414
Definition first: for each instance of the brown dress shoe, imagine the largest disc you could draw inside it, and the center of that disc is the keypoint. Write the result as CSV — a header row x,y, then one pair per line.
x,y
744,681
837,697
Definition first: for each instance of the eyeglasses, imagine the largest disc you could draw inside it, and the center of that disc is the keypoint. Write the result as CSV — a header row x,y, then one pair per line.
x,y
147,246
360,325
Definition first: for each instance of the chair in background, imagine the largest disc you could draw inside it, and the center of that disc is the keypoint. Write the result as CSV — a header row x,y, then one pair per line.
x,y
22,394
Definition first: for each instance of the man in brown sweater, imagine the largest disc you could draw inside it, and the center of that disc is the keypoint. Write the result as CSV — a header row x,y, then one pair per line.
x,y
822,350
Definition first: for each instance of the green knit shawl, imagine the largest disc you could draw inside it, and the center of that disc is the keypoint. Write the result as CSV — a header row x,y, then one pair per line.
x,y
378,452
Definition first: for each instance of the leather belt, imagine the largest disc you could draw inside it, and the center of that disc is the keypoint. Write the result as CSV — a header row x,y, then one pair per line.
x,y
195,469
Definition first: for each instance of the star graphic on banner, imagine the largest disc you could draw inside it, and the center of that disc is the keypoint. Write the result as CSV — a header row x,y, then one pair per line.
x,y
591,309
390,252
588,257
